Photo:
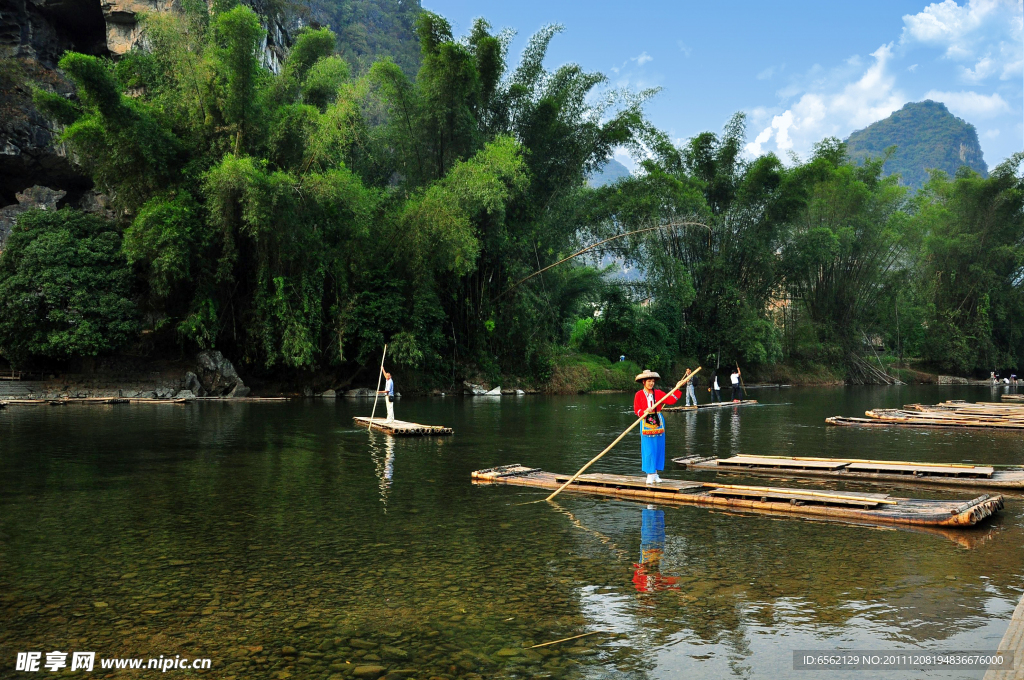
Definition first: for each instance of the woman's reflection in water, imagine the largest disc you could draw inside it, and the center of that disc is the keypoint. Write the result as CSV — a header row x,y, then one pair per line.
x,y
647,576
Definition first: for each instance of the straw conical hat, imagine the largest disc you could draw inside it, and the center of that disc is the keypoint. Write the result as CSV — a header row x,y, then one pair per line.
x,y
648,373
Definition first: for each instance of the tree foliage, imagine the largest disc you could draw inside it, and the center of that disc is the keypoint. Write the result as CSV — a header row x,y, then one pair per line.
x,y
301,220
65,288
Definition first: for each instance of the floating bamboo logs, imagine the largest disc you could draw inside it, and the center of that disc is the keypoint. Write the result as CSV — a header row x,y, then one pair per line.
x,y
857,469
401,428
1012,397
947,414
862,507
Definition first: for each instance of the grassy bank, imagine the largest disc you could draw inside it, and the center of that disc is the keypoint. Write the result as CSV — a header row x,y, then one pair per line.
x,y
576,372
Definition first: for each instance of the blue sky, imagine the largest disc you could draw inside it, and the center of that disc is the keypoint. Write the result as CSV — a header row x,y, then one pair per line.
x,y
801,70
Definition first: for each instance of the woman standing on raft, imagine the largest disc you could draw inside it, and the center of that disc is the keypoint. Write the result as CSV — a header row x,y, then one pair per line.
x,y
652,429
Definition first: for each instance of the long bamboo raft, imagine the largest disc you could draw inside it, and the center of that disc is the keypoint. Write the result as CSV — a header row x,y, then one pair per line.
x,y
854,469
954,414
1012,397
401,428
870,507
716,404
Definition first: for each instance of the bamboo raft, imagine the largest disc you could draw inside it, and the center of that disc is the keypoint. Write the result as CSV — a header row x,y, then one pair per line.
x,y
401,428
956,414
853,469
717,404
1012,397
866,507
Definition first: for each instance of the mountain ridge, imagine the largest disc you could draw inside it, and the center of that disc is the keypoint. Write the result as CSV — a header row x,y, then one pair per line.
x,y
926,136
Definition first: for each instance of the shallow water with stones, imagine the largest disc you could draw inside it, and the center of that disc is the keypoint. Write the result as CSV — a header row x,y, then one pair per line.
x,y
280,541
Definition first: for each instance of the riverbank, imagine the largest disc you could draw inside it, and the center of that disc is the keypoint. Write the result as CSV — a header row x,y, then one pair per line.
x,y
211,374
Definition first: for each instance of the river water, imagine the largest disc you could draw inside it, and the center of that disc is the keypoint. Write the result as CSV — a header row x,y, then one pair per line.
x,y
280,541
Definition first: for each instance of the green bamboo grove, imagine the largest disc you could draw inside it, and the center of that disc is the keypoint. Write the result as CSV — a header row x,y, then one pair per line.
x,y
298,221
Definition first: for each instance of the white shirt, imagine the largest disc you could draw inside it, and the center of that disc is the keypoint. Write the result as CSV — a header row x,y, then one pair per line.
x,y
389,387
650,399
735,377
716,382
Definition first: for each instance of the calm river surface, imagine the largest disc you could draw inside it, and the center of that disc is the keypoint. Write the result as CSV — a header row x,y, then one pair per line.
x,y
281,541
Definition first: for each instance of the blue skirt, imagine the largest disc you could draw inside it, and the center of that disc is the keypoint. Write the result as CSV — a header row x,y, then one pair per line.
x,y
652,447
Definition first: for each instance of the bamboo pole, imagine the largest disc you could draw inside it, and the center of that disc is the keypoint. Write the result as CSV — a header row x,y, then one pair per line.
x,y
685,379
376,394
574,637
797,492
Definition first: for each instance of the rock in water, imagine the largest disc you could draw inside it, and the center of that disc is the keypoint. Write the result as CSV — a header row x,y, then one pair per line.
x,y
218,376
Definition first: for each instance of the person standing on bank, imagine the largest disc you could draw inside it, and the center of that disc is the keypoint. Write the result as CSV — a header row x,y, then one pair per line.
x,y
389,396
737,393
652,429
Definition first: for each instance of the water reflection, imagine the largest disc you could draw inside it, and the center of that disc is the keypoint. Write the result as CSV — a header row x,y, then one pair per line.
x,y
647,576
382,452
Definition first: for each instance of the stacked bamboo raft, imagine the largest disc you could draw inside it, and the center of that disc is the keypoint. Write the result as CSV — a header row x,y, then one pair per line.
x,y
401,428
869,507
717,404
957,414
1012,397
854,469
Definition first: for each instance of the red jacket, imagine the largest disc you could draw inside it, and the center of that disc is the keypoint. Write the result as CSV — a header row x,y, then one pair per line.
x,y
640,400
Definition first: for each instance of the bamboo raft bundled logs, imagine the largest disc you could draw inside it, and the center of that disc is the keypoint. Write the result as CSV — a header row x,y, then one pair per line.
x,y
1012,397
401,428
947,414
716,404
855,469
866,507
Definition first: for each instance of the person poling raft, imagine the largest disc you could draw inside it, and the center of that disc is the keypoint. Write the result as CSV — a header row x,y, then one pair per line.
x,y
685,379
647,405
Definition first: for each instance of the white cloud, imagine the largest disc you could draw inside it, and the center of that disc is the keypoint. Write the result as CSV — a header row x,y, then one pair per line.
x,y
766,74
684,48
971,104
824,111
912,68
642,58
986,33
990,134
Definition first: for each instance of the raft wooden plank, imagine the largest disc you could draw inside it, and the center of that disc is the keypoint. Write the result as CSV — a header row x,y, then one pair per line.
x,y
740,461
628,482
1012,397
903,511
401,428
790,497
977,471
1013,640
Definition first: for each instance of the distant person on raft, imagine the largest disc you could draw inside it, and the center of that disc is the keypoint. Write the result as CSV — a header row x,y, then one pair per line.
x,y
652,429
737,393
389,397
